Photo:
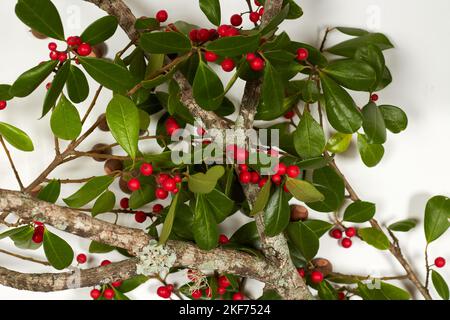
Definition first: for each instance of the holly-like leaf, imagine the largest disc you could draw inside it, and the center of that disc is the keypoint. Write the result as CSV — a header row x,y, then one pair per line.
x,y
395,118
373,124
246,235
374,57
349,47
310,92
205,182
352,74
122,116
98,247
309,138
234,46
104,203
375,238
132,283
5,94
326,291
89,191
16,137
50,192
403,225
440,285
56,88
168,221
272,89
352,31
211,9
23,239
164,42
371,154
437,213
339,142
319,227
221,206
381,291
207,88
206,232
261,199
331,185
304,239
65,120
41,16
58,252
100,30
141,197
11,232
303,190
359,212
277,213
77,85
31,79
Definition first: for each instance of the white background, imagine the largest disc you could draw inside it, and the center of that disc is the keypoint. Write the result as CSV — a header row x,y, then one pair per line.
x,y
414,168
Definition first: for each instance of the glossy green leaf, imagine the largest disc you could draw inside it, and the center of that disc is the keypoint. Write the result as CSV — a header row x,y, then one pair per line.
x,y
234,46
65,120
272,89
104,203
373,124
352,74
168,221
31,79
5,94
41,16
303,190
58,252
262,198
349,47
56,88
304,239
11,232
164,42
331,185
98,247
339,142
207,88
352,31
437,213
403,225
122,116
205,182
77,85
319,227
374,57
141,197
342,112
23,239
440,285
211,9
132,283
270,295
371,154
326,291
395,118
221,206
295,11
277,213
100,30
309,138
50,192
16,137
89,191
146,24
381,291
359,212
246,235
206,232
310,92
375,238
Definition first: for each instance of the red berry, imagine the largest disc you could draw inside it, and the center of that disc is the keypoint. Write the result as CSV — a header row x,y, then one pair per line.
x,y
228,65
262,182
162,177
169,185
261,12
203,35
146,169
163,292
162,15
52,46
236,20
2,104
105,263
117,283
336,233
175,191
81,258
221,290
276,178
350,232
301,272
374,97
170,287
134,184
196,294
316,277
257,3
177,178
285,188
124,203
223,282
84,49
72,41
302,54
289,115
160,193
62,56
238,296
54,55
245,177
222,30
257,64
95,294
171,126
280,169
108,294
254,17
48,85
210,57
250,56
193,35
237,153
223,239
157,208
255,177
140,216
37,237
231,32
293,171
439,262
346,243
243,167
341,295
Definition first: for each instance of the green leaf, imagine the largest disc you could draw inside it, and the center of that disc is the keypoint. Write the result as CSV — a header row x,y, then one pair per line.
x,y
246,235
371,154
440,285
65,120
393,292
31,79
382,291
374,57
272,89
319,227
303,190
270,295
339,142
11,232
309,138
89,191
23,239
58,252
352,74
221,206
352,31
122,116
5,94
207,88
310,92
211,9
104,203
205,182
56,88
349,47
146,23
77,85
141,197
98,247
168,222
108,74
359,212
295,11
16,137
206,232
234,46
304,239
276,20
403,225
41,16
326,291
261,199
375,238
331,185
50,192
132,283
277,213
373,124
395,118
164,42
100,30
342,112
437,213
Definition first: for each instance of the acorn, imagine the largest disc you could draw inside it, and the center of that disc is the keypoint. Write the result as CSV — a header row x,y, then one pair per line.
x,y
38,35
101,148
35,191
298,213
323,265
112,165
103,125
100,50
123,185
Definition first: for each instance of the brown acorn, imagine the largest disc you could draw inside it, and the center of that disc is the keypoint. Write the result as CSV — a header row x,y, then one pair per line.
x,y
323,265
298,213
100,50
123,185
38,35
103,125
101,148
112,165
35,191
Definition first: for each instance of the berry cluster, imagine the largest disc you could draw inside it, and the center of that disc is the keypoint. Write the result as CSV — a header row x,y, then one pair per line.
x,y
140,216
165,291
203,35
255,62
73,43
346,242
223,284
38,233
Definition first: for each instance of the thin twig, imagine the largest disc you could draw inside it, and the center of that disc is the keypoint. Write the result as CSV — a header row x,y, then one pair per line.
x,y
91,106
45,263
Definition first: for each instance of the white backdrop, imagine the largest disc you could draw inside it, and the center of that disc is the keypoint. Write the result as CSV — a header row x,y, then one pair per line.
x,y
414,168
